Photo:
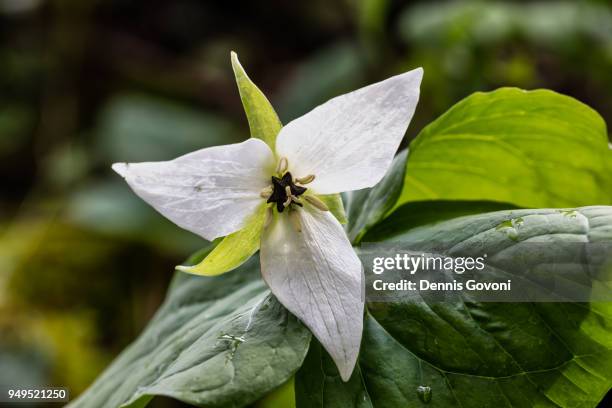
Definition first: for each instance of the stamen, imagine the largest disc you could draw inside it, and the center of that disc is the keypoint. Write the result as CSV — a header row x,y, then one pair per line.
x,y
283,165
295,220
305,180
268,219
285,192
266,192
316,202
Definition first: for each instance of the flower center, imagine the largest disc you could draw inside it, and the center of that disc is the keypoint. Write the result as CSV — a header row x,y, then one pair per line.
x,y
285,192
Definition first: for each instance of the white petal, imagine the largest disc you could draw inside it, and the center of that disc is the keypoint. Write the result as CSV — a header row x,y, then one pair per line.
x,y
316,274
209,192
349,141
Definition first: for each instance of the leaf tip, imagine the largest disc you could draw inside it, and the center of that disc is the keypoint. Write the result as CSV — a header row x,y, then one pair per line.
x,y
184,268
236,65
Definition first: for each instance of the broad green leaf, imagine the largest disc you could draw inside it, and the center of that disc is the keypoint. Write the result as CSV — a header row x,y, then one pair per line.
x,y
466,354
526,148
418,213
368,206
263,120
335,205
217,342
233,250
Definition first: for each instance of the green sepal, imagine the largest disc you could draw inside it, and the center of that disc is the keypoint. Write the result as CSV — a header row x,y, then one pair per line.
x,y
263,120
233,250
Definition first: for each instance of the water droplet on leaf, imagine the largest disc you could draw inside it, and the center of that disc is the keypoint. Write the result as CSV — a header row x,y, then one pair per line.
x,y
363,396
510,227
569,213
424,393
503,225
233,342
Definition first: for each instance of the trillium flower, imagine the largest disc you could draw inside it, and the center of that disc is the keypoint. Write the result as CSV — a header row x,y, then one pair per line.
x,y
281,192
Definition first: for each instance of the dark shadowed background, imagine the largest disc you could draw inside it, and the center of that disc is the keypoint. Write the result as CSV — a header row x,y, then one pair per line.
x,y
83,262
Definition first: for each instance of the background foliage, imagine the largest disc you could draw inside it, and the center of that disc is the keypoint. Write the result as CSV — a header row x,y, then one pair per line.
x,y
83,262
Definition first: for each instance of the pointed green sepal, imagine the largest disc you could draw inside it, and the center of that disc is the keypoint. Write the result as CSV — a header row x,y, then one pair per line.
x,y
232,250
263,120
335,205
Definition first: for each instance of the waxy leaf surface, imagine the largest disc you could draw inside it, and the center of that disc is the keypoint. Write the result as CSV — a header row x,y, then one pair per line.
x,y
459,353
533,149
215,342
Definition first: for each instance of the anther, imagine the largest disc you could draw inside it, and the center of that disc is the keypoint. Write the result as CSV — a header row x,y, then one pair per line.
x,y
266,192
283,165
295,220
305,180
285,192
316,202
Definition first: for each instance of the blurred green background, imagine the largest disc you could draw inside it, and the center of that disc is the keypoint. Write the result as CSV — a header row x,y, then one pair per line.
x,y
83,262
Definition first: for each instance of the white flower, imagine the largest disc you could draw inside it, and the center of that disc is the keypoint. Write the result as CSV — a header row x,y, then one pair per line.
x,y
345,144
